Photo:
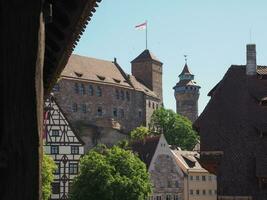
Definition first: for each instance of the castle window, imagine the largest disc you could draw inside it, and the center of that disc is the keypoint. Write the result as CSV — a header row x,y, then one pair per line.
x,y
191,178
74,107
117,94
84,108
121,113
122,95
115,112
176,184
203,178
55,188
153,105
176,197
149,104
54,150
74,149
56,88
197,192
127,96
76,88
55,133
168,197
73,168
191,192
204,192
90,90
99,111
140,113
169,184
98,91
81,89
197,178
57,171
210,192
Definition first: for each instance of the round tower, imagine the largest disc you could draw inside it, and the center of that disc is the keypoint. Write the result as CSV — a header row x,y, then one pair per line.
x,y
186,93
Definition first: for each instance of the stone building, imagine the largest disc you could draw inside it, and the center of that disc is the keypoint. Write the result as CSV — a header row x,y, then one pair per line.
x,y
199,184
166,176
233,131
63,145
102,102
186,93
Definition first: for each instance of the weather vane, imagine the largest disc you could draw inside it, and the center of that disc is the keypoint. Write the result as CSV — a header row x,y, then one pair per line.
x,y
185,58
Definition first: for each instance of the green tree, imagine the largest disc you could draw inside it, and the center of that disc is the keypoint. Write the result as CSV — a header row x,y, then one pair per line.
x,y
177,129
111,174
48,168
139,133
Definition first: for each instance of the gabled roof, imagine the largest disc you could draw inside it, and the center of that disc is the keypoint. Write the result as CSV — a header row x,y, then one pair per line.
x,y
144,56
146,148
94,70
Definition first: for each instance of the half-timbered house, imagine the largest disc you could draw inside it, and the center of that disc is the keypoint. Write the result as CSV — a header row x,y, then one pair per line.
x,y
63,145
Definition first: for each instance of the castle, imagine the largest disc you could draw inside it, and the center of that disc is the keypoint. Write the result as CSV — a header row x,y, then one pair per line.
x,y
102,102
186,93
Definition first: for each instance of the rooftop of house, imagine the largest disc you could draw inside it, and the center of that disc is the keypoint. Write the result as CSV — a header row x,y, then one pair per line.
x,y
188,161
102,72
146,148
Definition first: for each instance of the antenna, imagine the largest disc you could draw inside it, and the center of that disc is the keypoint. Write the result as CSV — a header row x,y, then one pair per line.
x,y
250,35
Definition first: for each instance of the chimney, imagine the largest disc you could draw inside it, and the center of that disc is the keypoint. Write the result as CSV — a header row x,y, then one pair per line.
x,y
251,66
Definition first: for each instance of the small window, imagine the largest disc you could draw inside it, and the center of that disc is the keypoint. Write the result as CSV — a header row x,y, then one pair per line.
x,y
74,149
204,192
98,91
84,108
210,178
191,192
56,88
210,192
122,95
54,149
169,184
121,113
168,197
55,188
81,89
117,94
153,105
191,178
140,113
90,90
57,171
176,197
73,168
149,104
102,78
115,114
203,178
99,111
55,133
158,198
197,178
197,192
74,107
127,96
176,184
76,88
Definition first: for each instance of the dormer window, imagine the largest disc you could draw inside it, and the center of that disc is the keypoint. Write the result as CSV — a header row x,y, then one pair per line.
x,y
78,74
102,78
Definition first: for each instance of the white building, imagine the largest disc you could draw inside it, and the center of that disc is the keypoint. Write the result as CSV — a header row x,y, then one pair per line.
x,y
63,145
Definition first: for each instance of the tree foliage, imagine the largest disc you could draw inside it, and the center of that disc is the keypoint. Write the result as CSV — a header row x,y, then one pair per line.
x,y
139,133
111,174
177,129
48,168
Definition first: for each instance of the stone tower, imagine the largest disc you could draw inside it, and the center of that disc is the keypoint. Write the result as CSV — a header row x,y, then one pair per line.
x,y
186,93
148,70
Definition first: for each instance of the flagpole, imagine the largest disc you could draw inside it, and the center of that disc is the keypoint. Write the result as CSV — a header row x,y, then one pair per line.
x,y
146,34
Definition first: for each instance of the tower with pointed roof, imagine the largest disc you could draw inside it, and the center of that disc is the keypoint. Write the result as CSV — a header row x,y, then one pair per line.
x,y
148,70
186,93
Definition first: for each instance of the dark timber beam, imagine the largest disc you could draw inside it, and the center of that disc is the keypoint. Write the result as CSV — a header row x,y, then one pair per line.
x,y
22,52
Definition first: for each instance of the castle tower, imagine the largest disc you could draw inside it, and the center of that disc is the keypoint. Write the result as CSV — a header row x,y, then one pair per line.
x,y
148,70
186,93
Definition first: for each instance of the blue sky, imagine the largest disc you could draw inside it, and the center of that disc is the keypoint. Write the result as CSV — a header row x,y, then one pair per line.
x,y
213,33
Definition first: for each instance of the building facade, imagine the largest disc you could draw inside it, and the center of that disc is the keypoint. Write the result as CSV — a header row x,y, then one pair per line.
x,y
98,95
233,131
166,177
186,93
199,184
63,145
